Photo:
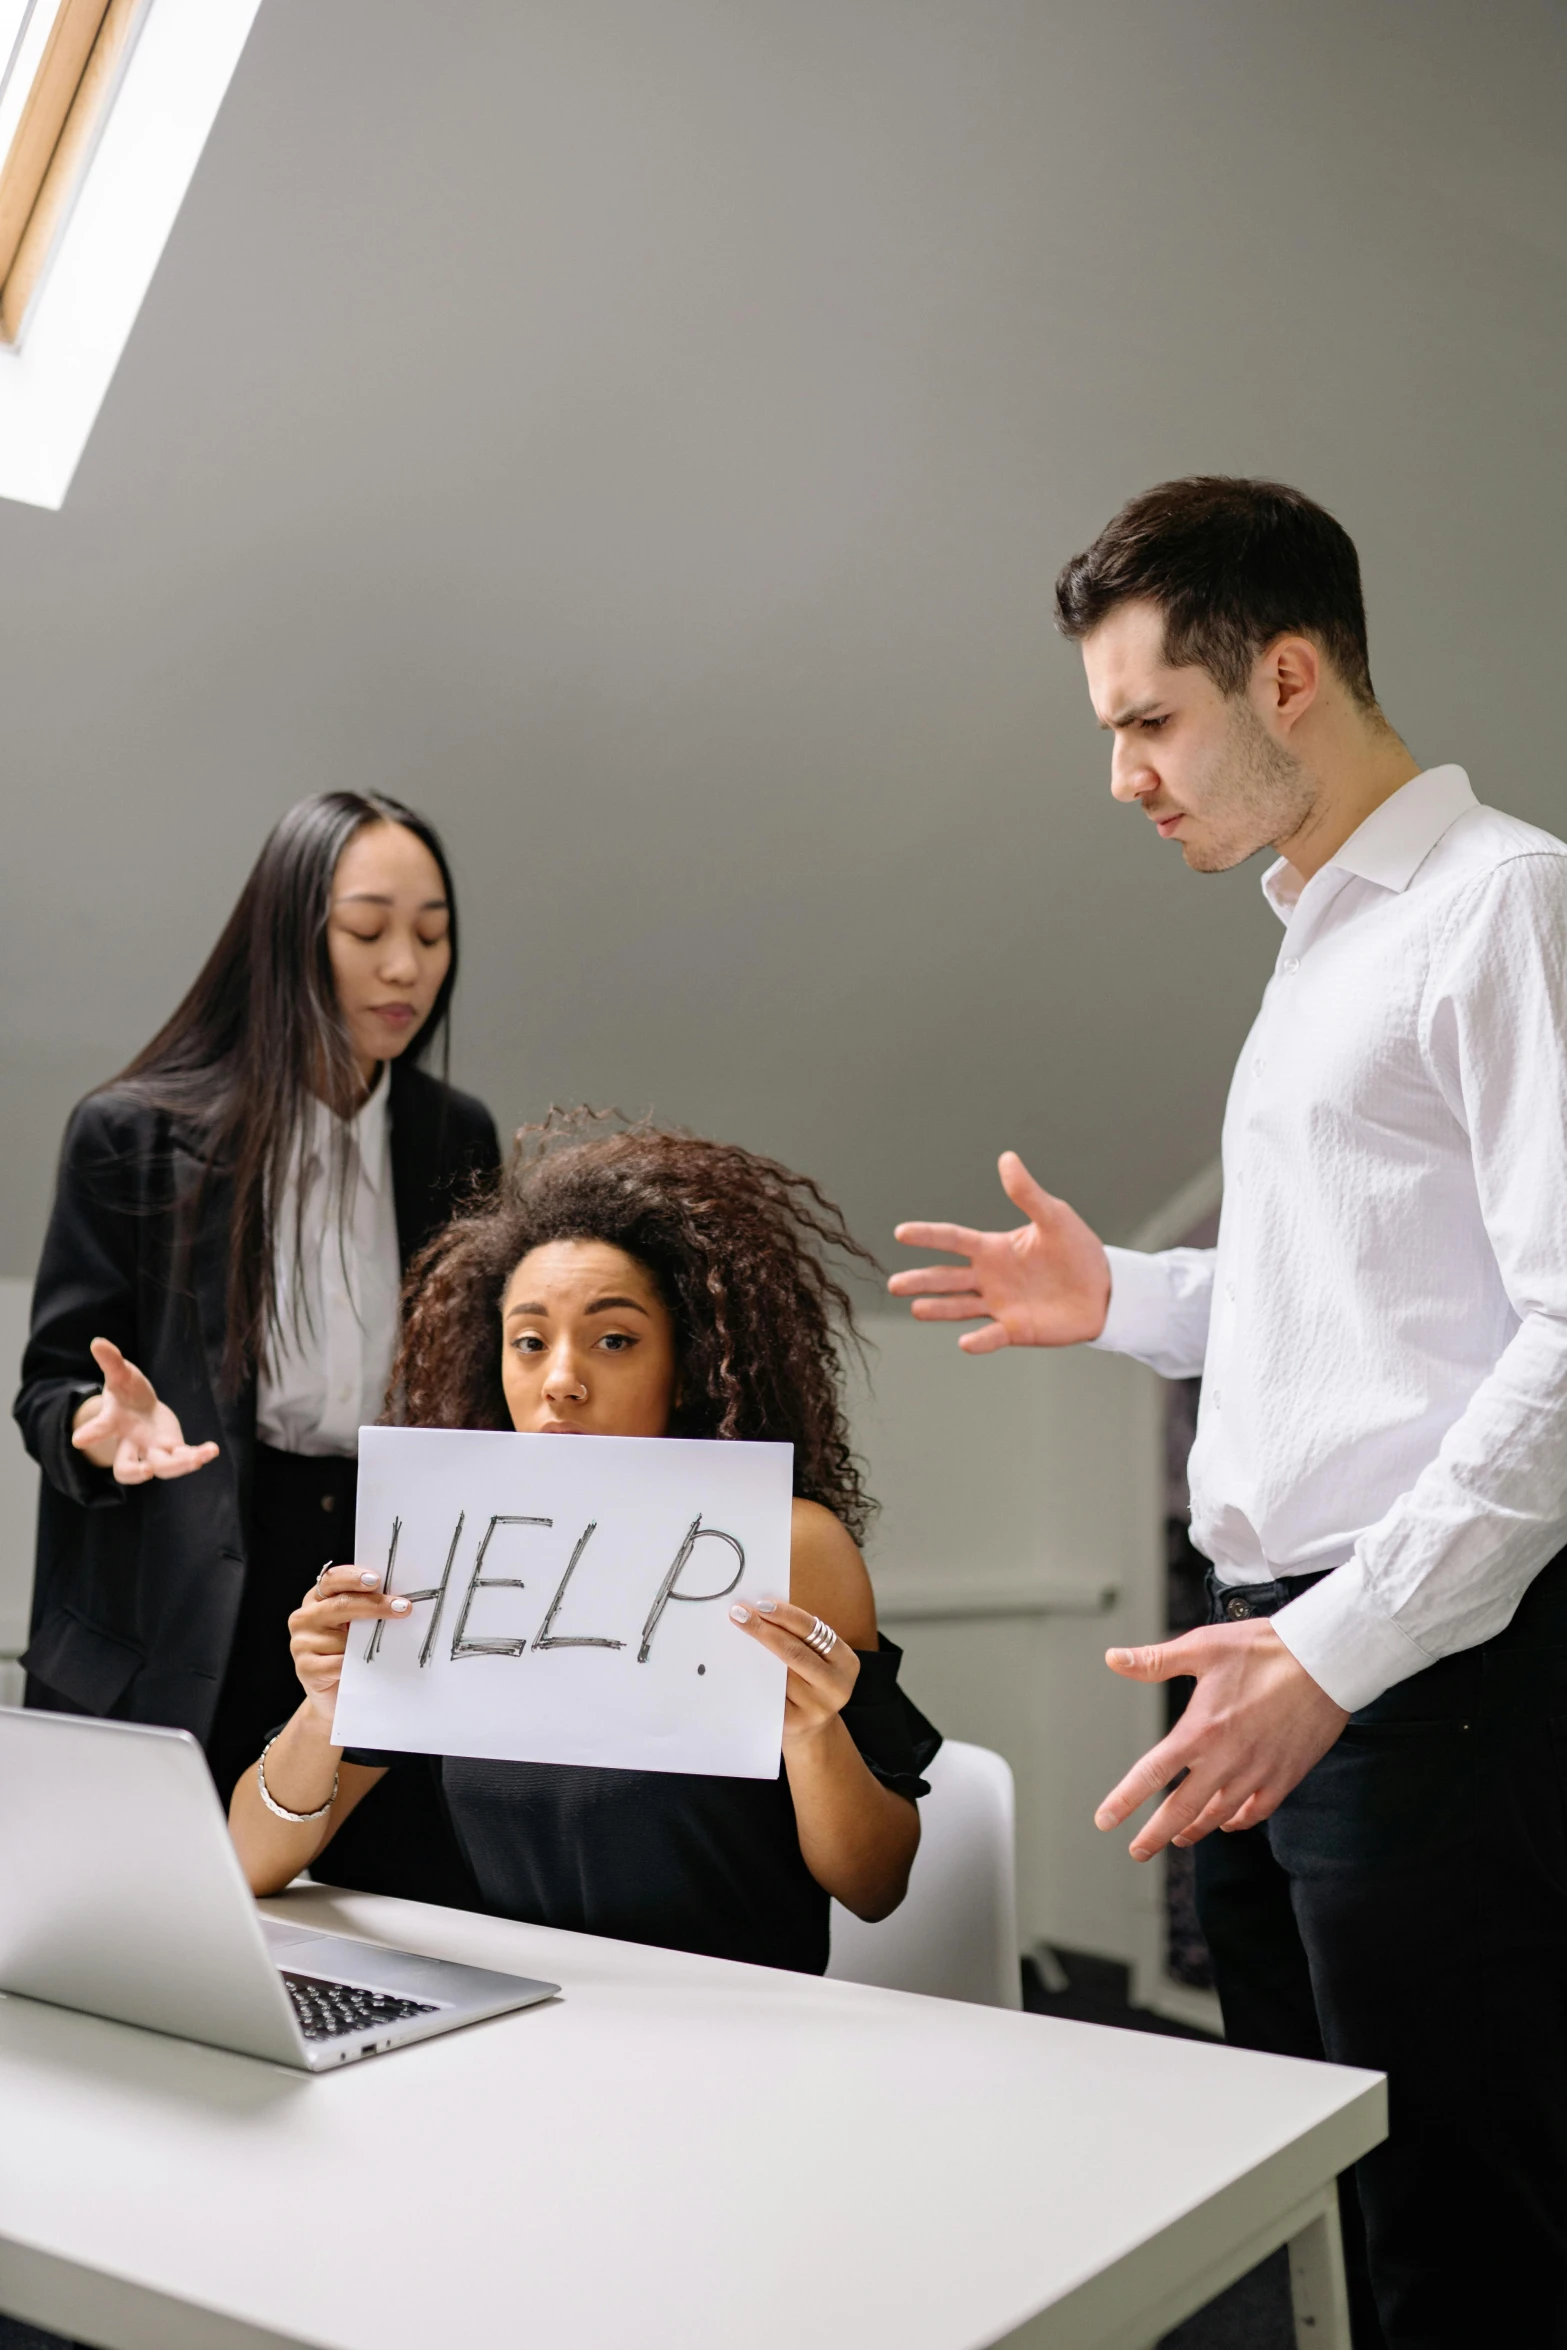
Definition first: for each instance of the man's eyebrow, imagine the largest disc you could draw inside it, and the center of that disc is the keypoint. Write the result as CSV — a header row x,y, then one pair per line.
x,y
1129,717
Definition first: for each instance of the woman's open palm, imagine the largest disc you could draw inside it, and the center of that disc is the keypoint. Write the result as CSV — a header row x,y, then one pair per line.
x,y
1044,1283
128,1430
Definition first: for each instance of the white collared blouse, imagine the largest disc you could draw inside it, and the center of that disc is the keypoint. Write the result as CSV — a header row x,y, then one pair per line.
x,y
1382,1327
330,1359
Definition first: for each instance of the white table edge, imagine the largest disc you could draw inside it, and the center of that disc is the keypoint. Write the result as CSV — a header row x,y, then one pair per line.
x,y
1115,2310
95,2305
1126,2307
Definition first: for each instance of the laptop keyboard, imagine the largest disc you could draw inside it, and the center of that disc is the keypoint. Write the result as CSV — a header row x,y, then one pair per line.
x,y
327,2010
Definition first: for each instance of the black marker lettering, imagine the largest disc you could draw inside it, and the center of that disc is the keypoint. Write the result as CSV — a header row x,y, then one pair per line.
x,y
379,1626
544,1637
696,1533
437,1592
479,1581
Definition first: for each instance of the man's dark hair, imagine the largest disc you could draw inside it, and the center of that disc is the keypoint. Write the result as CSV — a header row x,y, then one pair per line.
x,y
1231,564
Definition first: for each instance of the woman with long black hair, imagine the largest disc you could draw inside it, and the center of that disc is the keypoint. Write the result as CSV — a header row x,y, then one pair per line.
x,y
216,1311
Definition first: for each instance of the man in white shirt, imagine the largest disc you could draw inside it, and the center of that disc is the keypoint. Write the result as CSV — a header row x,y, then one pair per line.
x,y
1379,1722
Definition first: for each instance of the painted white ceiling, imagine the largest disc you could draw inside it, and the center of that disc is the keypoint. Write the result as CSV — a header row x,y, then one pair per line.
x,y
645,435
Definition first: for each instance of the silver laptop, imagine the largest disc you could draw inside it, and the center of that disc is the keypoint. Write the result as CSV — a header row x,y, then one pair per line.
x,y
121,1893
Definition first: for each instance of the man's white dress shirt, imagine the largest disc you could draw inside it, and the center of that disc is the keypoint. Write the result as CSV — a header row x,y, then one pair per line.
x,y
1382,1327
332,1357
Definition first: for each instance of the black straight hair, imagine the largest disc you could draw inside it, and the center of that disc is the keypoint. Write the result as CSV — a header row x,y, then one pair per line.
x,y
1231,564
260,1034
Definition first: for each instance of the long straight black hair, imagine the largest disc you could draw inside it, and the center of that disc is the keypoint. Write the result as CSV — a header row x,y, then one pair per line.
x,y
261,1033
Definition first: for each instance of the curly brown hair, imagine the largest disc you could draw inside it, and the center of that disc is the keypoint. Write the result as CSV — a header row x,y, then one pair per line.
x,y
739,1249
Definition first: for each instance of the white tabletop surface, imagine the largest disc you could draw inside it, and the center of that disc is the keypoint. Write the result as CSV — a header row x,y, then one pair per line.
x,y
680,2152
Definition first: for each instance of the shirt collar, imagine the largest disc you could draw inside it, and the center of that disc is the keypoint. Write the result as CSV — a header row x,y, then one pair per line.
x,y
1394,841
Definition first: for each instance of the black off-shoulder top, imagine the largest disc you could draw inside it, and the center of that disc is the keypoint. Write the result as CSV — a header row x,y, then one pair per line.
x,y
691,1863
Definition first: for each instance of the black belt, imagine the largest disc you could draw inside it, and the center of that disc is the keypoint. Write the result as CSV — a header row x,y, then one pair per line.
x,y
1232,1603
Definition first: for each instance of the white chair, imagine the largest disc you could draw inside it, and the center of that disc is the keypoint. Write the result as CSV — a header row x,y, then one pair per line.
x,y
954,1935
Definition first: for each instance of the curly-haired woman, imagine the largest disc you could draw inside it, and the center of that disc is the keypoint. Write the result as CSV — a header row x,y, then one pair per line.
x,y
640,1283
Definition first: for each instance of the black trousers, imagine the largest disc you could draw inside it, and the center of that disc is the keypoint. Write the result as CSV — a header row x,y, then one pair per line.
x,y
1406,1909
302,1515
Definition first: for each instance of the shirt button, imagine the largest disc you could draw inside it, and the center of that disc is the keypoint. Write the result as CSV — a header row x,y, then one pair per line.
x,y
1216,1399
1290,965
343,1394
1229,1291
1259,1064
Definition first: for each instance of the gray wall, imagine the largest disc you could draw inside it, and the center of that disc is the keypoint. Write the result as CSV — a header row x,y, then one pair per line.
x,y
645,431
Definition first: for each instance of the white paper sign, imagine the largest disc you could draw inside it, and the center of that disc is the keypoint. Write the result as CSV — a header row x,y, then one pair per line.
x,y
571,1599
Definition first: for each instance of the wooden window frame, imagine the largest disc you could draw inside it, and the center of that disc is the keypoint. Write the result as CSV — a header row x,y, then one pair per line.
x,y
102,206
78,74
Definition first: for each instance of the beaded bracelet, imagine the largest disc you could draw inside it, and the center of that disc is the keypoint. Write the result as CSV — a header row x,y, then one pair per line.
x,y
280,1811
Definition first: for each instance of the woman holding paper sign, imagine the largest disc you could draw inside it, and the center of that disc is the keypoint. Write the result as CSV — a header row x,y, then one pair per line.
x,y
640,1284
217,1304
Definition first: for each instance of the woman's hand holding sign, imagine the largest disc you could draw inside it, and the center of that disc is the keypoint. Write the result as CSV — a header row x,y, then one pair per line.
x,y
318,1628
822,1668
857,1837
305,1773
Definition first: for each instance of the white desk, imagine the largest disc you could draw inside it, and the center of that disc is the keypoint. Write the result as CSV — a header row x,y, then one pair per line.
x,y
679,2155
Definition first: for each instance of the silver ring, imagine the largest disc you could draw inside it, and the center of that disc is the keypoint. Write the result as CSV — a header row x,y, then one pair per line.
x,y
821,1637
326,1570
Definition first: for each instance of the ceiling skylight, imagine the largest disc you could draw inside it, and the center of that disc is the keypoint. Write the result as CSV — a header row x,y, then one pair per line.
x,y
66,58
105,106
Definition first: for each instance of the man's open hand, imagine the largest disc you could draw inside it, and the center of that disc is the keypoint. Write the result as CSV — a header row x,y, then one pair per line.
x,y
1253,1727
1045,1283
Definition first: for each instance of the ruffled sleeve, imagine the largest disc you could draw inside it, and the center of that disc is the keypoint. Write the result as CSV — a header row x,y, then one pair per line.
x,y
891,1733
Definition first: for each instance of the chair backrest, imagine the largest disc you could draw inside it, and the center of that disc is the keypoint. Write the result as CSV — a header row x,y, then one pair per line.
x,y
954,1935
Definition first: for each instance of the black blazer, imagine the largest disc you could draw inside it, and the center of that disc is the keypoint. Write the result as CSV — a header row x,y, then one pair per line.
x,y
138,1587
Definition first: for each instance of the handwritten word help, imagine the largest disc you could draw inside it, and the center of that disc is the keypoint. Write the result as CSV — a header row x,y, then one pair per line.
x,y
545,1637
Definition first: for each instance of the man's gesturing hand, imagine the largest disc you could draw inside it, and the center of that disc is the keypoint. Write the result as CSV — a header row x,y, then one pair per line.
x,y
1044,1283
1254,1725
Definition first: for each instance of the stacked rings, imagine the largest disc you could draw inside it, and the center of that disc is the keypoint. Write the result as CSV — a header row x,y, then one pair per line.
x,y
821,1637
